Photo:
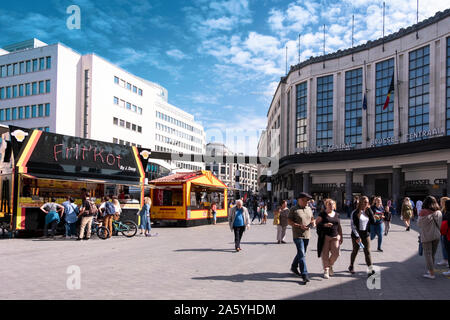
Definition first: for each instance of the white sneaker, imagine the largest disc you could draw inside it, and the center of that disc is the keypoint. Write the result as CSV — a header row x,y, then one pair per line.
x,y
446,273
442,263
331,271
326,274
429,276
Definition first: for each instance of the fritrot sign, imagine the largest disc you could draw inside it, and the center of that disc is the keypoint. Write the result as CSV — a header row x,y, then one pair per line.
x,y
54,153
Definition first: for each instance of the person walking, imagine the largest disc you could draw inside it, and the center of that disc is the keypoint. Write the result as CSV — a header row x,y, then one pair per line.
x,y
407,213
257,213
360,220
387,218
87,212
144,214
70,216
301,219
429,222
329,224
376,228
239,221
445,231
264,214
283,222
52,217
444,260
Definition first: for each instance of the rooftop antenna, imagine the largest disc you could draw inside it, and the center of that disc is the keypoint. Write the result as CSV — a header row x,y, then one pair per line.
x,y
324,46
384,9
417,19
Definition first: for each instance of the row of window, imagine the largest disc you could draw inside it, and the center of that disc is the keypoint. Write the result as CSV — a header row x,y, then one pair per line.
x,y
45,129
177,143
22,67
418,101
127,125
187,166
127,85
126,143
123,104
25,112
178,133
24,90
176,122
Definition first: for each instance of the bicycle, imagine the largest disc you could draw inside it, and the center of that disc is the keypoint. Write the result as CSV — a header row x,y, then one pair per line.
x,y
101,231
128,228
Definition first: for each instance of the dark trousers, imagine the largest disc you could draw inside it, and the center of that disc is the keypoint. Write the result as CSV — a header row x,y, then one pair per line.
x,y
53,225
300,257
365,239
447,246
256,214
238,232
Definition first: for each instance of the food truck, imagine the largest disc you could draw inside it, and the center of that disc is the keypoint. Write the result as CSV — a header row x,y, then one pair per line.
x,y
185,199
37,166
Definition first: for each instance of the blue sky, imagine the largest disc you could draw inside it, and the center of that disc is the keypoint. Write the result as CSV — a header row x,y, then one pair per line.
x,y
220,60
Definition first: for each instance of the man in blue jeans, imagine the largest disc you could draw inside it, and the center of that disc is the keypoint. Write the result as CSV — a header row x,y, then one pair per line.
x,y
301,218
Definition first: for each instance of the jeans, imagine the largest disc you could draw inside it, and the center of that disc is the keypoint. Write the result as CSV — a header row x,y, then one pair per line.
x,y
53,225
377,230
71,229
300,258
444,250
238,232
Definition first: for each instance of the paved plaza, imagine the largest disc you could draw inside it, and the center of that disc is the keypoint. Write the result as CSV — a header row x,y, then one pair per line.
x,y
200,263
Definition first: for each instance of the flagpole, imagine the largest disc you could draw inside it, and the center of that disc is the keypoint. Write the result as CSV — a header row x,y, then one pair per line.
x,y
417,19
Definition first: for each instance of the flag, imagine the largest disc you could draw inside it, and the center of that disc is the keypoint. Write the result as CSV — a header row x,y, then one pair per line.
x,y
365,102
391,89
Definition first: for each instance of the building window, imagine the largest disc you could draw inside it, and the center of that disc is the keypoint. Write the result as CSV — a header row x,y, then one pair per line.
x,y
122,123
49,62
27,89
133,127
47,86
2,93
140,92
134,108
14,113
301,124
419,88
7,114
128,86
2,115
27,112
21,90
16,69
34,88
35,65
116,81
41,63
134,89
324,132
353,107
128,106
2,71
33,111
116,100
384,119
139,110
41,110
128,125
14,91
139,129
115,140
115,121
41,87
47,109
10,69
448,86
28,65
22,67
20,112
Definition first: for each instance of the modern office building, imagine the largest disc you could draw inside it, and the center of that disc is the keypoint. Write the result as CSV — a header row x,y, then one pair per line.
x,y
56,89
340,136
228,172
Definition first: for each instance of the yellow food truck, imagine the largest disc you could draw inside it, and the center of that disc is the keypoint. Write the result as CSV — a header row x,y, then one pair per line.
x,y
185,199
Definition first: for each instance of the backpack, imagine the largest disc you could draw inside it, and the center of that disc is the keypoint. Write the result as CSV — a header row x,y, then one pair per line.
x,y
109,208
445,230
93,210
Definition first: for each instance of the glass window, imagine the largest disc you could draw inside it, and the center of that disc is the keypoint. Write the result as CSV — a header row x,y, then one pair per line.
x,y
16,69
10,70
134,108
324,120
28,65
15,92
116,100
21,90
418,92
115,121
384,118
2,115
33,111
122,83
128,106
2,93
41,87
128,125
8,92
14,113
128,86
2,71
35,65
133,127
49,62
122,123
27,89
34,88
140,92
7,114
47,86
47,129
41,63
139,110
47,109
301,129
353,107
27,112
114,140
116,80
139,129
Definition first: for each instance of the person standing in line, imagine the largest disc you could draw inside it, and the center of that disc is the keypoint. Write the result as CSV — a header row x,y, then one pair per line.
x,y
444,260
331,232
283,219
419,204
71,217
407,213
387,218
239,220
376,228
87,211
445,231
51,216
301,219
214,211
144,214
429,222
360,219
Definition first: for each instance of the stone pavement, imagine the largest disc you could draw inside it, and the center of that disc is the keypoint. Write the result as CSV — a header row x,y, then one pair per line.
x,y
200,263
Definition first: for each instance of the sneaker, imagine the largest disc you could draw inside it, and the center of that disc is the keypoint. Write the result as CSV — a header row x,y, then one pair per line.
x,y
429,276
442,263
78,239
326,273
331,272
305,278
295,270
446,273
351,270
407,229
279,242
283,242
380,250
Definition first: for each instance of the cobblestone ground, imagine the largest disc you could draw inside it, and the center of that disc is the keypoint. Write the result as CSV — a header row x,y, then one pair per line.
x,y
200,263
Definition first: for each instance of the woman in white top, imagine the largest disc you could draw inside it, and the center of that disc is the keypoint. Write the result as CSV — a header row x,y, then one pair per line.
x,y
361,218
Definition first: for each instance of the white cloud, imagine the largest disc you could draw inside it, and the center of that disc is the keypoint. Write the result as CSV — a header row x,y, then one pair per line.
x,y
176,54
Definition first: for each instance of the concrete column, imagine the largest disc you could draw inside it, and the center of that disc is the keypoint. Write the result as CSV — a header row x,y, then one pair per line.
x,y
448,179
396,181
306,184
348,185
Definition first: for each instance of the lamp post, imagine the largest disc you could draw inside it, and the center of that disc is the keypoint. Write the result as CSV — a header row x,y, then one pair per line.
x,y
238,187
269,188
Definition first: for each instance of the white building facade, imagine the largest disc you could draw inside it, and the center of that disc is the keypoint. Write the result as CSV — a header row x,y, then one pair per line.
x,y
334,144
55,89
